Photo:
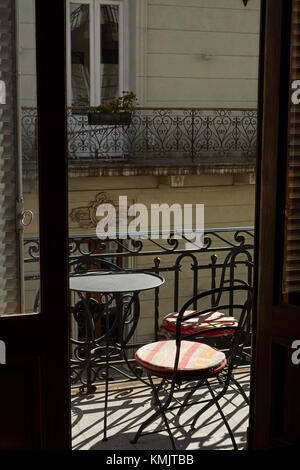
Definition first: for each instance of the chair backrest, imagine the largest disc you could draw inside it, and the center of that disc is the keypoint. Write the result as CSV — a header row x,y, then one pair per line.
x,y
236,267
88,262
241,309
237,257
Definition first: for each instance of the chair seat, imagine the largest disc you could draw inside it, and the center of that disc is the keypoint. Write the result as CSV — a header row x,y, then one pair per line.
x,y
196,360
202,324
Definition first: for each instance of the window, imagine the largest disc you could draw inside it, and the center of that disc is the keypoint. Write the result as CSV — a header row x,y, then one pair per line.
x,y
97,51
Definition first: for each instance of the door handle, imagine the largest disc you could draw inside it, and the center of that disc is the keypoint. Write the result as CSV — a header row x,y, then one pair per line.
x,y
25,217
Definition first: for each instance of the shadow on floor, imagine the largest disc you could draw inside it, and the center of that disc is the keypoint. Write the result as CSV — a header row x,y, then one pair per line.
x,y
129,407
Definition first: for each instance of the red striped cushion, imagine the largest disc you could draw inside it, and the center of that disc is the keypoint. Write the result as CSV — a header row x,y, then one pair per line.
x,y
194,357
201,323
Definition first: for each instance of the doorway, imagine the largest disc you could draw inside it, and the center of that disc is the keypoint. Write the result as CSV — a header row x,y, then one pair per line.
x,y
162,155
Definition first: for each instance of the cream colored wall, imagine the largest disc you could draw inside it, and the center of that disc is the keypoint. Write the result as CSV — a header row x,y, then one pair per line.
x,y
235,193
228,200
216,192
197,53
188,53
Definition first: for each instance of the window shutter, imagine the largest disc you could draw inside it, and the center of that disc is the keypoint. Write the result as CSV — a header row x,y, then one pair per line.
x,y
9,246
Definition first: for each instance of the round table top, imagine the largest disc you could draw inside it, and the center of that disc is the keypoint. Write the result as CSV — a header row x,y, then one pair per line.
x,y
114,282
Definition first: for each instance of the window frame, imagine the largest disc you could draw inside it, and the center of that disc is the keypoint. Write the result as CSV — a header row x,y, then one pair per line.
x,y
95,47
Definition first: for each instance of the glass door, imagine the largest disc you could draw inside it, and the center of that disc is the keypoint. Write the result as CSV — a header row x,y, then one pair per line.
x,y
34,336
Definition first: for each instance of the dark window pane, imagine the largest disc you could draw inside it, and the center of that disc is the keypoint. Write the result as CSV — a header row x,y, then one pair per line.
x,y
80,54
109,51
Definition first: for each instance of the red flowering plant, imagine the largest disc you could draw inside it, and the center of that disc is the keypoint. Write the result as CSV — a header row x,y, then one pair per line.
x,y
127,102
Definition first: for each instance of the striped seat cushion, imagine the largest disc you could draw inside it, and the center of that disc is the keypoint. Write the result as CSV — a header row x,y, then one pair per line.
x,y
202,323
196,359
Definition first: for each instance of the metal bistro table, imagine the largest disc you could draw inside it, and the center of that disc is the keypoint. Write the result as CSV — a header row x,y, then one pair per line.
x,y
109,284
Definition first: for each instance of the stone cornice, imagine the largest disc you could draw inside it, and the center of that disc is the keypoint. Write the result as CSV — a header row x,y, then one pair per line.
x,y
92,170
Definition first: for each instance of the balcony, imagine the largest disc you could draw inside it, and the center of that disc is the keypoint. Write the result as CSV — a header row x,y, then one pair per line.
x,y
199,269
157,137
187,272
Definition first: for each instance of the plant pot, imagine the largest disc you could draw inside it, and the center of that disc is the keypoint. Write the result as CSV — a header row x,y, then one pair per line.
x,y
109,119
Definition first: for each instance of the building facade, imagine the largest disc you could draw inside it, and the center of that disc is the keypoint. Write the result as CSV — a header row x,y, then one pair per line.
x,y
193,65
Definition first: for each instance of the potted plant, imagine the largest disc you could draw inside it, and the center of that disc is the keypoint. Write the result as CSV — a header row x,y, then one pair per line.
x,y
116,112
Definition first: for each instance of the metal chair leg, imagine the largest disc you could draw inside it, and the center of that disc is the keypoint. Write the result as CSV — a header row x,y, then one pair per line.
x,y
105,404
197,416
189,396
209,404
144,425
159,412
106,374
155,402
162,410
216,401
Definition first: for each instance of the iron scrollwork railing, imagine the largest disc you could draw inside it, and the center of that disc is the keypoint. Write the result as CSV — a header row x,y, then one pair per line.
x,y
226,255
194,135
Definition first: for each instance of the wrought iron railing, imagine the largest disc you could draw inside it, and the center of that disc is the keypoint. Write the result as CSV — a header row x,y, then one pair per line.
x,y
168,134
226,255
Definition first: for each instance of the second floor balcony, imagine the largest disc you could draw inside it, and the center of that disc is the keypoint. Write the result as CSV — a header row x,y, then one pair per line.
x,y
171,137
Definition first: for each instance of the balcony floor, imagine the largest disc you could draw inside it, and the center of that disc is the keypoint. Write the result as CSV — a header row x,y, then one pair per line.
x,y
129,407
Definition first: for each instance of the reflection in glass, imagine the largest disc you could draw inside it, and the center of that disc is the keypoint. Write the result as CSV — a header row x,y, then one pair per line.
x,y
80,54
29,152
19,207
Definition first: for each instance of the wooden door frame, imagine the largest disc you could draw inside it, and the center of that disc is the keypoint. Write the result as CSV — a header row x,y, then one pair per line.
x,y
270,213
53,172
35,382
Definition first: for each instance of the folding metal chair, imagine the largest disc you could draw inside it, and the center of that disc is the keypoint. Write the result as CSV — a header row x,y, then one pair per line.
x,y
183,361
